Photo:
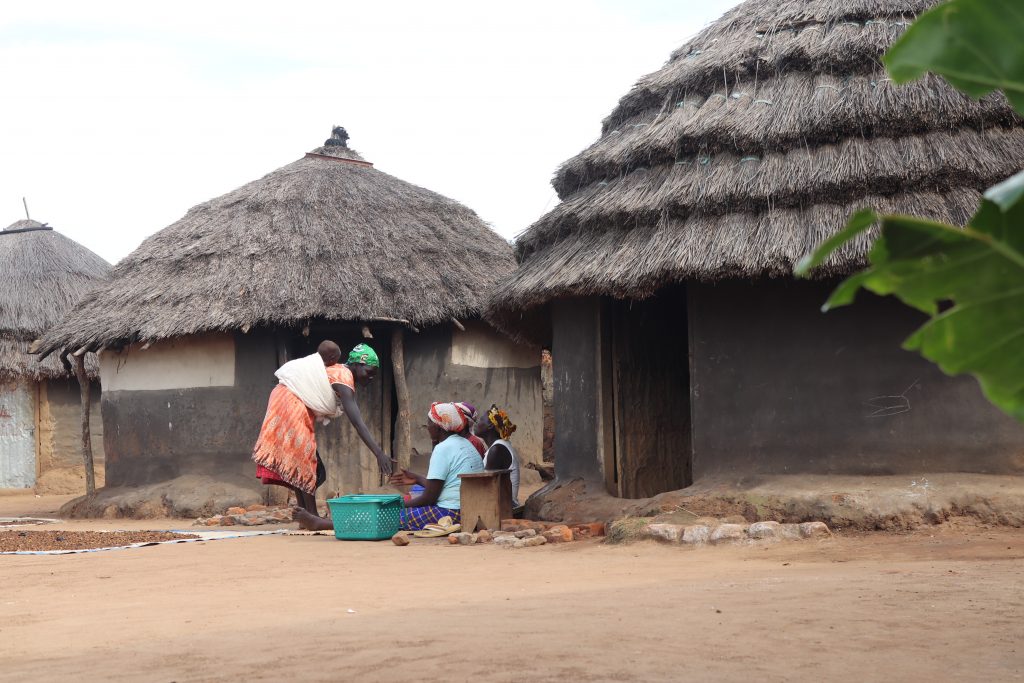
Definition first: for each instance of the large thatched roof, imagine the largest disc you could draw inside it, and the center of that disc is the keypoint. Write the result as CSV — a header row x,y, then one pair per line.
x,y
758,138
42,275
325,237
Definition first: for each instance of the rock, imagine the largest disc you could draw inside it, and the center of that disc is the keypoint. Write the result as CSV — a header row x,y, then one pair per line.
x,y
529,542
484,536
727,533
461,538
696,534
401,538
281,515
255,508
526,533
236,511
227,520
790,532
251,521
452,539
199,522
763,530
672,533
213,521
509,540
558,534
814,530
590,529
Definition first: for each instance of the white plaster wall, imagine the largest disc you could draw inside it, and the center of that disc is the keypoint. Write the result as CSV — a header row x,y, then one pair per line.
x,y
17,435
480,346
198,361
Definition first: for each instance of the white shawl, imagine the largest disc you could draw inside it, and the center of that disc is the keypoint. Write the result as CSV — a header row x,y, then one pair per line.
x,y
307,378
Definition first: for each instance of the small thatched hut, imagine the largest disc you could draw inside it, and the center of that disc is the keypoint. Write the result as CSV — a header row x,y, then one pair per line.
x,y
42,275
682,347
194,322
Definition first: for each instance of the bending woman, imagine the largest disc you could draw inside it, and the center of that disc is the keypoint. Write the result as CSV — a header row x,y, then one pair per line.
x,y
452,455
286,453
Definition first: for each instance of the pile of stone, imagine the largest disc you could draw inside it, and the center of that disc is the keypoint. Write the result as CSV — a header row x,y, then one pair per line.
x,y
520,533
253,515
709,531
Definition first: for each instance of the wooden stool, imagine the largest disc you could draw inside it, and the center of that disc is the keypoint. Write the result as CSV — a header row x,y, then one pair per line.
x,y
486,499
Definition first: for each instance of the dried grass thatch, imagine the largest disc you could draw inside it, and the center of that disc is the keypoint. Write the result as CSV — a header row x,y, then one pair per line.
x,y
42,275
756,140
325,237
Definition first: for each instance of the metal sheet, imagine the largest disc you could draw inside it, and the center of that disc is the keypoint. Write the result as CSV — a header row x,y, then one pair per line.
x,y
17,435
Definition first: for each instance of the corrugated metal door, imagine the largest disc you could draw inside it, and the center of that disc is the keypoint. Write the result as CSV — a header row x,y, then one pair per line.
x,y
17,436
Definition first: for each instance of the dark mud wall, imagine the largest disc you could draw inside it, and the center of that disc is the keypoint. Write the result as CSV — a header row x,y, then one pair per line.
x,y
481,366
154,434
779,387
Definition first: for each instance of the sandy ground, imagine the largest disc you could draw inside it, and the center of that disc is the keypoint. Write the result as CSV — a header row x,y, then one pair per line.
x,y
937,605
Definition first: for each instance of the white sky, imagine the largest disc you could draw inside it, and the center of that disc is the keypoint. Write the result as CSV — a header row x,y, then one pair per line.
x,y
118,117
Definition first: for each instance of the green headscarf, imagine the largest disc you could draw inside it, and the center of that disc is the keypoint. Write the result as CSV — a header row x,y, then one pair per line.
x,y
362,353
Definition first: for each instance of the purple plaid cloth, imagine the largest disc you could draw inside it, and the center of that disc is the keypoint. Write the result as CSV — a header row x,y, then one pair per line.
x,y
414,519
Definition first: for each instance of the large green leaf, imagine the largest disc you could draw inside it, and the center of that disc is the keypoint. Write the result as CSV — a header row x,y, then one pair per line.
x,y
969,281
977,45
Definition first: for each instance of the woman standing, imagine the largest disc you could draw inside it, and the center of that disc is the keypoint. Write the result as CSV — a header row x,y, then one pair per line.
x,y
312,388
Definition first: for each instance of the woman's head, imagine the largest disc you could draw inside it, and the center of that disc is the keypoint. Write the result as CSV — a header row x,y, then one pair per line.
x,y
363,363
444,419
496,425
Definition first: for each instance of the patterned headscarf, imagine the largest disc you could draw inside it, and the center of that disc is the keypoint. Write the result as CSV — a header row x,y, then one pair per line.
x,y
365,355
499,419
469,410
447,416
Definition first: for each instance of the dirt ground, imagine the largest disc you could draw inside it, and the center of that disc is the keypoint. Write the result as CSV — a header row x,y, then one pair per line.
x,y
940,604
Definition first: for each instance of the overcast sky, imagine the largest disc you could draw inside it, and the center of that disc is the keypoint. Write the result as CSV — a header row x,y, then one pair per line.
x,y
118,117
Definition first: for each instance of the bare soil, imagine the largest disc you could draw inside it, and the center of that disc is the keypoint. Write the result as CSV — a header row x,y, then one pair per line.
x,y
20,540
937,604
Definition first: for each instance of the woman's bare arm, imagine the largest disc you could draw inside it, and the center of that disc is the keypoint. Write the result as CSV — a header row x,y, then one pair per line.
x,y
348,403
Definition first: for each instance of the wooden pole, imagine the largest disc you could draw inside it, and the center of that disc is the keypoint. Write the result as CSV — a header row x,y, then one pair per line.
x,y
83,384
403,437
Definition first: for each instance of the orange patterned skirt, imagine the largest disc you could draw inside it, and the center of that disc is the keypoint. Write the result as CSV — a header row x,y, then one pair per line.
x,y
286,448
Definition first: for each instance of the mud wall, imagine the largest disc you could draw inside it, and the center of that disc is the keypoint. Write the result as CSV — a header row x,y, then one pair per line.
x,y
779,387
480,366
59,456
188,405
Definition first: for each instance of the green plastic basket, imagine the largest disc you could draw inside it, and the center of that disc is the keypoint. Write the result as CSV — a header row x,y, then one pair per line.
x,y
365,517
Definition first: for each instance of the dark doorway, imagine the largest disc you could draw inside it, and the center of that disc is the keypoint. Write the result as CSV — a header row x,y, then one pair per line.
x,y
650,387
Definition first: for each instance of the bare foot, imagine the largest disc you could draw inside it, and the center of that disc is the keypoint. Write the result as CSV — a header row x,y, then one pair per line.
x,y
309,521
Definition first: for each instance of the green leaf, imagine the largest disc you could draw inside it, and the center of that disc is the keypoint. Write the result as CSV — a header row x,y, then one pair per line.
x,y
858,223
969,281
976,45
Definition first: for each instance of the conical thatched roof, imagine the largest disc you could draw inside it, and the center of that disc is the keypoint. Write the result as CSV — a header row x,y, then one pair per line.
x,y
42,275
325,237
757,139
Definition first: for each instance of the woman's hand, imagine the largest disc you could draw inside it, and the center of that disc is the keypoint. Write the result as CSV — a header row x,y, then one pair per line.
x,y
403,478
385,464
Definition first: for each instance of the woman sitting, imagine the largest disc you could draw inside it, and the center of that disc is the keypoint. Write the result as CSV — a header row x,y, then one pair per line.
x,y
496,430
451,456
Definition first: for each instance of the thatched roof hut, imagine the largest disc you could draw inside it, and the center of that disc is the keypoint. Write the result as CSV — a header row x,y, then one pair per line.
x,y
42,275
757,139
193,324
325,237
683,350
